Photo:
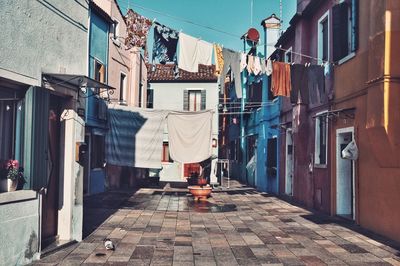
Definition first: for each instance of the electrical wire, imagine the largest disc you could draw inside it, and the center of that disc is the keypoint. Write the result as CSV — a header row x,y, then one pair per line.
x,y
225,32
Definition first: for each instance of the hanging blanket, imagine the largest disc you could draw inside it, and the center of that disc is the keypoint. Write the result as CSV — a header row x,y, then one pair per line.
x,y
137,28
165,44
190,136
135,137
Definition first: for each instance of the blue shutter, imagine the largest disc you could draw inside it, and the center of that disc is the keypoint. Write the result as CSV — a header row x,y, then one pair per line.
x,y
36,137
354,25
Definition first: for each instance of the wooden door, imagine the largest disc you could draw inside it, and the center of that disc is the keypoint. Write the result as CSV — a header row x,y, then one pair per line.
x,y
50,199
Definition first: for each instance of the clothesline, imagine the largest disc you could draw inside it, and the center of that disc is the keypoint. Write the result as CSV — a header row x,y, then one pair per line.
x,y
224,32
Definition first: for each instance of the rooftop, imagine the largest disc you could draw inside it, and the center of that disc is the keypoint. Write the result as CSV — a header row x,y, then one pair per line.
x,y
165,73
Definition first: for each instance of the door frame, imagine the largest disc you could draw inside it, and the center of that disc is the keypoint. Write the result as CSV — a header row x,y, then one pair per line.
x,y
340,132
289,134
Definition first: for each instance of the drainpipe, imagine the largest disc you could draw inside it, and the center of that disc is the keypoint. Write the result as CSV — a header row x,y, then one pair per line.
x,y
242,127
140,80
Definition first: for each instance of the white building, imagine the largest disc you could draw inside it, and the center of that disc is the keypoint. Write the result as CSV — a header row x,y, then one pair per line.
x,y
187,92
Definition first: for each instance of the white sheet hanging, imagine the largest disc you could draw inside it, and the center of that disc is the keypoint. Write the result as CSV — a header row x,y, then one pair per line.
x,y
135,136
190,136
204,52
188,53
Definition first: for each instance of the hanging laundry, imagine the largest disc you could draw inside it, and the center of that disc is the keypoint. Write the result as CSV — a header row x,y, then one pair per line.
x,y
232,61
268,68
329,82
204,52
188,59
190,136
135,137
243,61
299,81
263,66
254,65
281,83
219,59
137,29
316,83
165,44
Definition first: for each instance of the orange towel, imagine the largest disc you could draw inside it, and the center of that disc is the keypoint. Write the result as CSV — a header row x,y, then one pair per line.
x,y
281,84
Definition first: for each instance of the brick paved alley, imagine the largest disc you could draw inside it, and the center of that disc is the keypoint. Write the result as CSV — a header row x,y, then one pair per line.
x,y
235,227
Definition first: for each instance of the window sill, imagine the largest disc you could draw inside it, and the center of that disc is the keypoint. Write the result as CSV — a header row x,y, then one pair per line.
x,y
116,42
20,195
346,58
320,166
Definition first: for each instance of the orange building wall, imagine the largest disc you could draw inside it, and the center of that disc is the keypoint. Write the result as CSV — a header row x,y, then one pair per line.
x,y
370,82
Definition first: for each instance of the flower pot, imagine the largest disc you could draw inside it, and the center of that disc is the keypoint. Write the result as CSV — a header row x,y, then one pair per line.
x,y
12,185
200,193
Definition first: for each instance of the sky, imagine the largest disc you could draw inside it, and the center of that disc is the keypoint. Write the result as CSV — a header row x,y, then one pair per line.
x,y
231,16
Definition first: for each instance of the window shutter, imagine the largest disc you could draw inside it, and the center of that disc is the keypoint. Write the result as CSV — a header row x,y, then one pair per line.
x,y
354,25
203,100
36,137
340,30
186,100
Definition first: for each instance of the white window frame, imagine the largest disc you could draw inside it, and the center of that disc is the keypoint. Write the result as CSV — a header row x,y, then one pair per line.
x,y
115,32
291,55
320,36
125,89
317,138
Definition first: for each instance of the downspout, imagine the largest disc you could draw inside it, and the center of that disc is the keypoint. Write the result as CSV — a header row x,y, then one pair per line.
x,y
242,127
140,80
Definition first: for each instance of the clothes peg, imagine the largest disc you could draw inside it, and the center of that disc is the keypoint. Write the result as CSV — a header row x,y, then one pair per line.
x,y
154,20
292,63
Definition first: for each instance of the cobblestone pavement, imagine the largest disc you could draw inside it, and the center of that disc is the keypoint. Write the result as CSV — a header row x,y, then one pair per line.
x,y
238,227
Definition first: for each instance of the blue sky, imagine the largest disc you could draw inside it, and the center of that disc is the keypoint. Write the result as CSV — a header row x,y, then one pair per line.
x,y
233,16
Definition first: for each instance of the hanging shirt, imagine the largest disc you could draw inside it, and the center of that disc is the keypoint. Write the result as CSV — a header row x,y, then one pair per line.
x,y
188,59
281,82
268,68
204,52
165,44
243,61
219,59
137,29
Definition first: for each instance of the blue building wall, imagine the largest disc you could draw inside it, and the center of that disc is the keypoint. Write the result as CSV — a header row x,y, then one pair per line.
x,y
95,123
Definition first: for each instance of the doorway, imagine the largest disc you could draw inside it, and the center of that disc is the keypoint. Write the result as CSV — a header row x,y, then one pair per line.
x,y
345,176
289,163
50,199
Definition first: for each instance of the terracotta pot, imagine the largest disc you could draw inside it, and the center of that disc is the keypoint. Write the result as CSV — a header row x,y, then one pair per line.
x,y
200,193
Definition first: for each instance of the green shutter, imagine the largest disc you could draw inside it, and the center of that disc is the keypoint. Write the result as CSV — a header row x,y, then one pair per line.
x,y
36,137
354,25
203,99
186,100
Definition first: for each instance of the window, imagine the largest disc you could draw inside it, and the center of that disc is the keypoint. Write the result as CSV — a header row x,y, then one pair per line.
x,y
165,153
122,88
345,29
194,100
272,158
99,71
289,56
115,29
321,139
97,154
150,97
323,37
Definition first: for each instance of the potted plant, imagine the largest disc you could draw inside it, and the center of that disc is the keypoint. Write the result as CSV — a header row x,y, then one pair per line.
x,y
13,173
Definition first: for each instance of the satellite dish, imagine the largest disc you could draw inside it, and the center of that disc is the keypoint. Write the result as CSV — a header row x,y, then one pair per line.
x,y
253,35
